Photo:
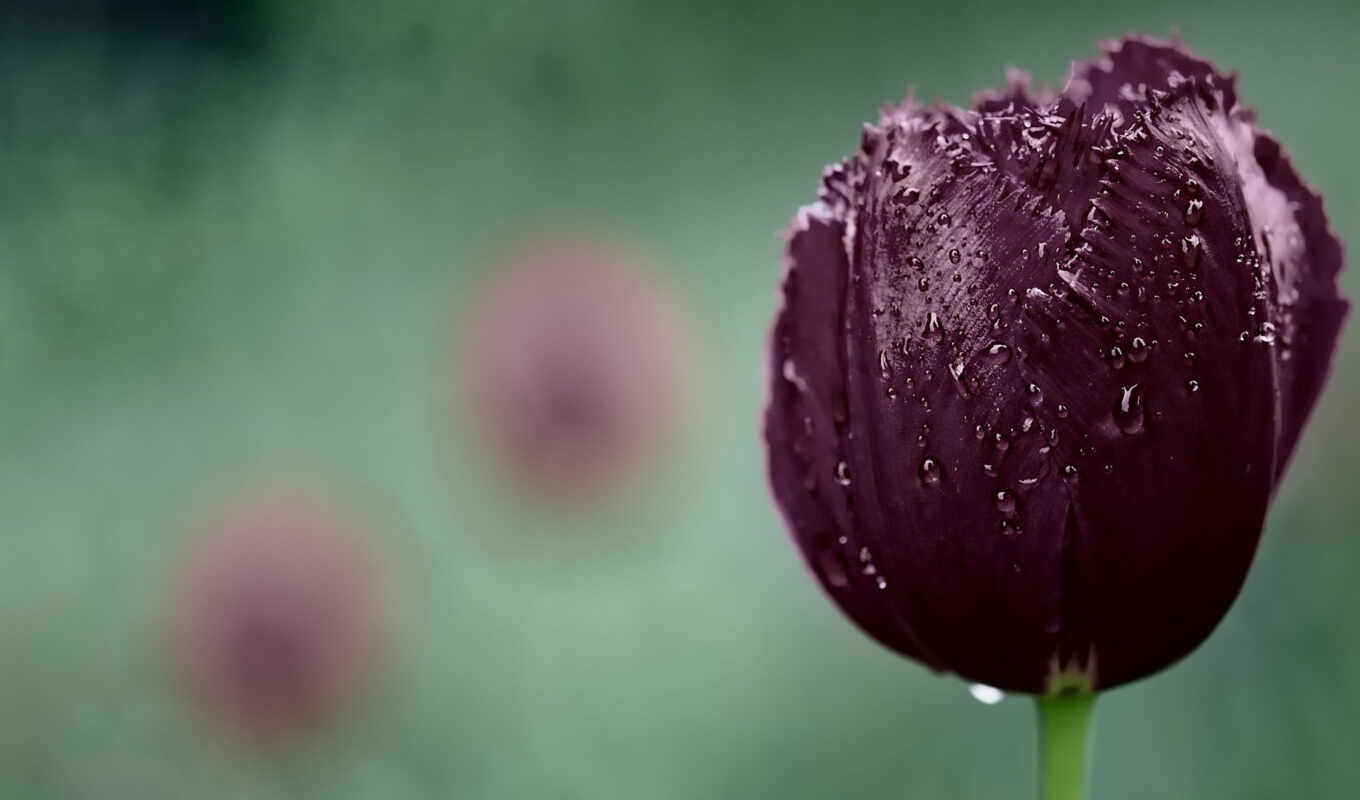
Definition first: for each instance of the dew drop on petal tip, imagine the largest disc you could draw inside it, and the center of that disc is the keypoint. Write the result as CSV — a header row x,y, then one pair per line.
x,y
987,695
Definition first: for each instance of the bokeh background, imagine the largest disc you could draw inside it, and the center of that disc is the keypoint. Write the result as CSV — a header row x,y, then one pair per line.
x,y
236,240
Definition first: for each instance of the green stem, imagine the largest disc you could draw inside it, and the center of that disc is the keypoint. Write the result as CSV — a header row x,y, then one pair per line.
x,y
1064,739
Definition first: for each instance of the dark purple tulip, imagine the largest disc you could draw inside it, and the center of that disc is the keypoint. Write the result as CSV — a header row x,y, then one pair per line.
x,y
1040,367
278,617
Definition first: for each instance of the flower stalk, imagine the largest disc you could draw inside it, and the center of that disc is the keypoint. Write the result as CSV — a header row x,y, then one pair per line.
x,y
1064,744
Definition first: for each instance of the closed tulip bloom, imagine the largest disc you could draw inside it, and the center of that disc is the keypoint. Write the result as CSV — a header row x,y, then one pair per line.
x,y
1041,364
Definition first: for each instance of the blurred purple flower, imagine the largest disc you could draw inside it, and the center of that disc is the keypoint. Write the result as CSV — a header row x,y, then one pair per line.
x,y
1041,364
278,617
576,366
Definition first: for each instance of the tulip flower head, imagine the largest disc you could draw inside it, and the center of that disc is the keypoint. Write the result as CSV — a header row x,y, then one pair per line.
x,y
1040,366
278,618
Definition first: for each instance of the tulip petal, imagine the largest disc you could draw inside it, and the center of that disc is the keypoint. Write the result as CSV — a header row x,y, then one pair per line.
x,y
1288,221
806,419
1305,259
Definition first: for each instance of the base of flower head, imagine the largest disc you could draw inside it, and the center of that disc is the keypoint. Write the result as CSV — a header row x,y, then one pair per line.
x,y
1073,676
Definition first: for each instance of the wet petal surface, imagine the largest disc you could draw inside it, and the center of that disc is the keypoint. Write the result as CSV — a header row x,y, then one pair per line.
x,y
1040,365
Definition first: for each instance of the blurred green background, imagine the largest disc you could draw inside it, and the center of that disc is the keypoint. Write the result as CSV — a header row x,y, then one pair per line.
x,y
234,238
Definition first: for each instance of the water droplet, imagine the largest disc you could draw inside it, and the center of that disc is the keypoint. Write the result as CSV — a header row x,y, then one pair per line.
x,y
916,263
1069,473
997,353
956,372
987,695
1128,412
1194,211
1192,385
955,256
1191,246
943,218
842,473
930,472
1267,334
832,564
980,433
1036,395
1062,411
933,326
1117,357
1005,502
923,284
1138,350
881,582
1002,444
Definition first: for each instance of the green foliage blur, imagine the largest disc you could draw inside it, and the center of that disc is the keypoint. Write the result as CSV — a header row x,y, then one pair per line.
x,y
236,244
